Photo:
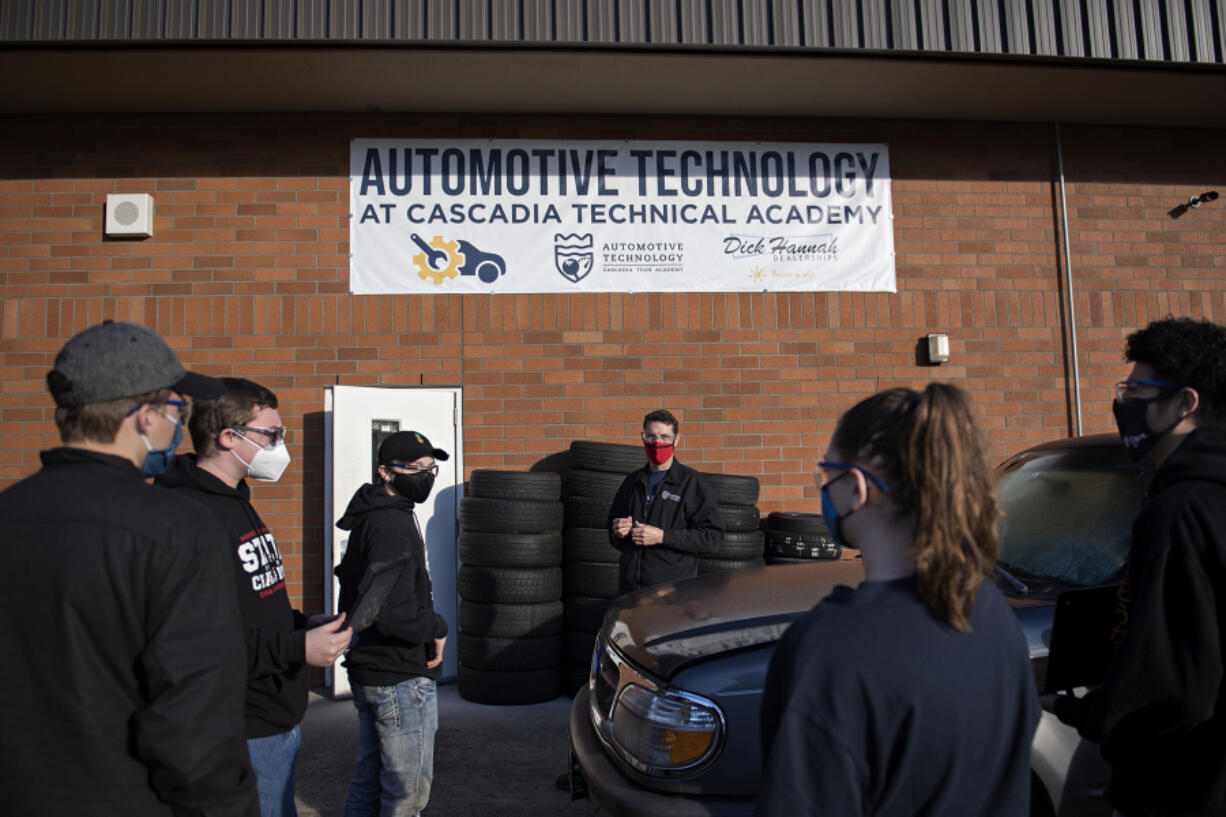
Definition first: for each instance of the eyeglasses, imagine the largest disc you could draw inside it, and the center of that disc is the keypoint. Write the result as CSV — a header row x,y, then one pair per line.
x,y
826,465
416,469
1126,390
658,438
185,409
276,435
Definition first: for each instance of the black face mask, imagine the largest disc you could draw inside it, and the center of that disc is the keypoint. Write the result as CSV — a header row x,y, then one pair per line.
x,y
414,487
1138,438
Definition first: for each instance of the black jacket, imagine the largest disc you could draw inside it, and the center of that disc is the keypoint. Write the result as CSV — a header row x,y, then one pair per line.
x,y
874,706
685,508
396,648
1160,714
274,632
124,669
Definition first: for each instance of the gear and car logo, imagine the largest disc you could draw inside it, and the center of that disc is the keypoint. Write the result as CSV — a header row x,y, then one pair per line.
x,y
442,260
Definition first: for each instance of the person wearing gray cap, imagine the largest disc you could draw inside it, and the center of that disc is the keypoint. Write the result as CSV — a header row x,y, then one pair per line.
x,y
125,667
398,655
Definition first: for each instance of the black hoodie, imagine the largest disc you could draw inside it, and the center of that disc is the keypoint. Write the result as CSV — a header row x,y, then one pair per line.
x,y
1160,714
277,681
400,642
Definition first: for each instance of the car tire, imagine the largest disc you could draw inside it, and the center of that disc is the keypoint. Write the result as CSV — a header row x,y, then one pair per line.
x,y
510,549
592,579
509,585
731,489
742,545
509,654
740,518
577,647
587,512
726,565
594,484
509,688
510,515
797,522
584,612
588,545
512,620
540,486
612,457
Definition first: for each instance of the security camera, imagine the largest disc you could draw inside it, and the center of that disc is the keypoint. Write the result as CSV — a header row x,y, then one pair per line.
x,y
1203,198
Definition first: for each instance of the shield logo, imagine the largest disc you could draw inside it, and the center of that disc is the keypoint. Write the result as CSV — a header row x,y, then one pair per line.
x,y
572,255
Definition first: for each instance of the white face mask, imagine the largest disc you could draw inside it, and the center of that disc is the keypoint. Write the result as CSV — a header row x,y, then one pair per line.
x,y
268,464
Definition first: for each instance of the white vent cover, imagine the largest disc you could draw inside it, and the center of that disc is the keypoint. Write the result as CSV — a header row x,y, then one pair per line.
x,y
129,215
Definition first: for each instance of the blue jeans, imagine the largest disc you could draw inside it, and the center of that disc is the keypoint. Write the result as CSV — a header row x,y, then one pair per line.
x,y
273,759
395,766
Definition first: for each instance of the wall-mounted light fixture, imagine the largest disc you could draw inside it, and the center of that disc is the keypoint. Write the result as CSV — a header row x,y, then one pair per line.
x,y
938,348
1193,202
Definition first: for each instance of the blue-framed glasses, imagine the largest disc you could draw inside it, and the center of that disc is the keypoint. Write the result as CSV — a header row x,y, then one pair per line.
x,y
1126,390
827,465
182,405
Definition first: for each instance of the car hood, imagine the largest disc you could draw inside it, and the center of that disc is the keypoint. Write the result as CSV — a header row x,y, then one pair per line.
x,y
666,628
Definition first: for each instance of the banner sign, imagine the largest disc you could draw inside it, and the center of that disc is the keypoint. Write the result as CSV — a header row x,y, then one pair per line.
x,y
548,216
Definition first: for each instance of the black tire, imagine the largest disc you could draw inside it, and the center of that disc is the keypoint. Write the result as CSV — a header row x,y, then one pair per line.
x,y
809,552
584,613
588,545
510,549
591,579
511,620
542,486
617,459
799,539
510,688
742,545
797,522
509,654
577,647
594,484
733,490
509,585
726,565
510,515
740,518
784,560
586,512
574,678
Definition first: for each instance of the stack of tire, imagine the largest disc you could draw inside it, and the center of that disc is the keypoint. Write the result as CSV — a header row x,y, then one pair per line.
x,y
743,541
510,587
798,538
589,582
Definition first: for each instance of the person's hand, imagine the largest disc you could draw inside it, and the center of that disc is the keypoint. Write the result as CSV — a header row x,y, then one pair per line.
x,y
621,527
438,653
321,618
327,642
646,535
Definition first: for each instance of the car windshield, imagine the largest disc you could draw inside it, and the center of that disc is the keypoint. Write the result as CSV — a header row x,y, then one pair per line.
x,y
1068,514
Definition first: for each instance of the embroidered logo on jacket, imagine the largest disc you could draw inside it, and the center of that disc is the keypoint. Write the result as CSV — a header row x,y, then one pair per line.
x,y
670,496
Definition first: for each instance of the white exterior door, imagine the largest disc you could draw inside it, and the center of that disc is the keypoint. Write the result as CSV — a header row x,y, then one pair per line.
x,y
356,419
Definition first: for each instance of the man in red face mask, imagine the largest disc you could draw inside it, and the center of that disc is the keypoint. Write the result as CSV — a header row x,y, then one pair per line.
x,y
665,515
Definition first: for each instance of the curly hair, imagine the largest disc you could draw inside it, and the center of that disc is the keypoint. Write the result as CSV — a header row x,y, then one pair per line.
x,y
930,451
1190,353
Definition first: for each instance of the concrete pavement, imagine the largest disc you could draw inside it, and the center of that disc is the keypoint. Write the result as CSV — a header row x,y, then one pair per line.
x,y
492,761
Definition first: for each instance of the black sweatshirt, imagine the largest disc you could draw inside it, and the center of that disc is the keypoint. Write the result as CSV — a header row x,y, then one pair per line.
x,y
400,642
685,508
1160,713
873,706
277,678
122,691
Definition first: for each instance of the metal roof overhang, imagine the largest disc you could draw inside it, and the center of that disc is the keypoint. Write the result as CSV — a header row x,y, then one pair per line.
x,y
604,80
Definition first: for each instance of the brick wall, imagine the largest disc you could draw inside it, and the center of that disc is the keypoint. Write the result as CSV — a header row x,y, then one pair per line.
x,y
247,274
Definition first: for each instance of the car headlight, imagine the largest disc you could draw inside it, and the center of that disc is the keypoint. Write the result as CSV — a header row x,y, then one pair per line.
x,y
662,731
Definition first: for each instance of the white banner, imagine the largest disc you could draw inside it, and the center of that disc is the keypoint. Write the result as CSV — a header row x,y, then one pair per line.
x,y
550,216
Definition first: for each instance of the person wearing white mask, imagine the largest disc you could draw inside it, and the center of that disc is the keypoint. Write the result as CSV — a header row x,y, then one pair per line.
x,y
240,436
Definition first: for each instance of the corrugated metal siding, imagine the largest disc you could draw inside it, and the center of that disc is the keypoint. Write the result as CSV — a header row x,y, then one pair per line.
x,y
1153,30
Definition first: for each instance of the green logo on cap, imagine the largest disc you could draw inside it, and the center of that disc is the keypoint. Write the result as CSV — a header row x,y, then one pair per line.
x,y
420,438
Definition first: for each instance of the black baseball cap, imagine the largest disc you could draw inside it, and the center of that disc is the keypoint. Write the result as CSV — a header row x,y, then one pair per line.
x,y
406,446
114,360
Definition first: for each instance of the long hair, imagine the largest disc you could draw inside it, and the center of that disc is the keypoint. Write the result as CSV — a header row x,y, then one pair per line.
x,y
929,450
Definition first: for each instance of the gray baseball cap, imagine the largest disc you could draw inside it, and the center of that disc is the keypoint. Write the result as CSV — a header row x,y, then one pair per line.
x,y
114,360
